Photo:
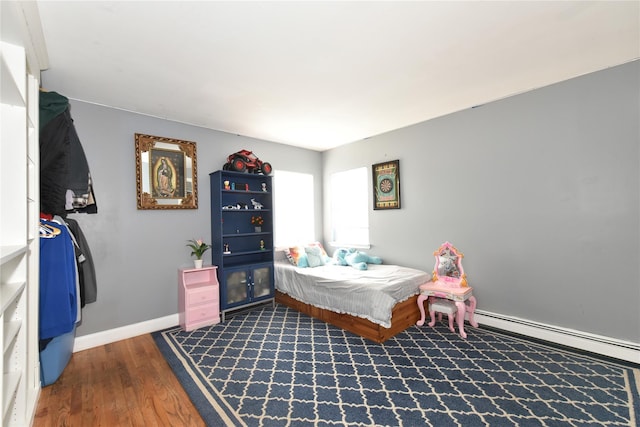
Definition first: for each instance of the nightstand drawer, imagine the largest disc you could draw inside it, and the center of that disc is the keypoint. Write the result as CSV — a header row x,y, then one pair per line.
x,y
204,295
201,313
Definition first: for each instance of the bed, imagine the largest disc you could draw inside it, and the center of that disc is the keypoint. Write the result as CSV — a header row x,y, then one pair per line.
x,y
377,303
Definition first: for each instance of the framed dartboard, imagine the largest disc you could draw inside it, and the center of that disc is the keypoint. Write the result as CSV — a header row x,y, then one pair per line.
x,y
386,185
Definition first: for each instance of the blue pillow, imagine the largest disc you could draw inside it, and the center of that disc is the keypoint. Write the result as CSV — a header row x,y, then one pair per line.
x,y
314,256
303,261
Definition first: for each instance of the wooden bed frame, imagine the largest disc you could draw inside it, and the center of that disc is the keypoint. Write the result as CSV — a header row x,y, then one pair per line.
x,y
404,315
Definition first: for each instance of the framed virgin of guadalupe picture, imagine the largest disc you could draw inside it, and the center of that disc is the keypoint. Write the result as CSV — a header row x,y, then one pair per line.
x,y
386,185
166,173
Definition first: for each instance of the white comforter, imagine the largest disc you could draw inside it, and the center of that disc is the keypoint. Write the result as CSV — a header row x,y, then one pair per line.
x,y
371,293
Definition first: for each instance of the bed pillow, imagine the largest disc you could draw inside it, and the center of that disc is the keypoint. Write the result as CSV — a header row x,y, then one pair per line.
x,y
314,256
280,255
297,256
322,251
303,261
292,253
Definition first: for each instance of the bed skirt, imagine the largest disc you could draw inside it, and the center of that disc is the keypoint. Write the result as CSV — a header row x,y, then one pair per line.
x,y
403,315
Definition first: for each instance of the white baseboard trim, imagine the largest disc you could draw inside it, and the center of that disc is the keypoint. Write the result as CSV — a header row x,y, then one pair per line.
x,y
112,335
610,347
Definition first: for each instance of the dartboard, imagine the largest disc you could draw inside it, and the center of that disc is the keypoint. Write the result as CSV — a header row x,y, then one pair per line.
x,y
386,185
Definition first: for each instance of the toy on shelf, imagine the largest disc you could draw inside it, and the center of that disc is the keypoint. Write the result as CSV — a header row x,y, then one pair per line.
x,y
246,161
448,286
256,205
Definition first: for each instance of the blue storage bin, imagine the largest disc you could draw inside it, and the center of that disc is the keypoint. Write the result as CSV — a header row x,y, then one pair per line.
x,y
54,358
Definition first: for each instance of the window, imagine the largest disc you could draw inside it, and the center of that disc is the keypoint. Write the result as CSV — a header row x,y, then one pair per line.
x,y
294,209
349,208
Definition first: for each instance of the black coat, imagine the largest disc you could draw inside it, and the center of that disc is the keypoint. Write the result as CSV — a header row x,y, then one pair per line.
x,y
65,179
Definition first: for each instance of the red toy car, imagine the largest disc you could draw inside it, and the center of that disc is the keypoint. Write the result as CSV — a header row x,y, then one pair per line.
x,y
245,160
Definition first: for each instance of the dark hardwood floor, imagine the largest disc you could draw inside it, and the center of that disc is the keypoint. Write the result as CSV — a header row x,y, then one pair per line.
x,y
126,383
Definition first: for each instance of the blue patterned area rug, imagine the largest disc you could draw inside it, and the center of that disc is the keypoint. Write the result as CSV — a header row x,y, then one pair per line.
x,y
277,367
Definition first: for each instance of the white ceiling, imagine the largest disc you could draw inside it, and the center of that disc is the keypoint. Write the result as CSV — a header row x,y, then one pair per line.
x,y
322,74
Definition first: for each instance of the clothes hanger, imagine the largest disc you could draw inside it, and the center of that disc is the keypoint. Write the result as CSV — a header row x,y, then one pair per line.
x,y
48,231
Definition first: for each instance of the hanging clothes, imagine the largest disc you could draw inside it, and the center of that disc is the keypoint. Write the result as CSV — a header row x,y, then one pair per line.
x,y
65,180
59,309
86,269
67,274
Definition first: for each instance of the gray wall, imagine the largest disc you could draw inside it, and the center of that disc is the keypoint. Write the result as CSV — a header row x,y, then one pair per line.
x,y
137,252
540,191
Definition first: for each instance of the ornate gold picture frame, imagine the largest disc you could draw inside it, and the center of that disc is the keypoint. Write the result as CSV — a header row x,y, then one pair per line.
x,y
166,173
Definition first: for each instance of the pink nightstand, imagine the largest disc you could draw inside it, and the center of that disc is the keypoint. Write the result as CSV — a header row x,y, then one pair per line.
x,y
198,297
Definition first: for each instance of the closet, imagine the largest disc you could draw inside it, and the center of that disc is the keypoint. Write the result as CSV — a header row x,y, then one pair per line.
x,y
22,57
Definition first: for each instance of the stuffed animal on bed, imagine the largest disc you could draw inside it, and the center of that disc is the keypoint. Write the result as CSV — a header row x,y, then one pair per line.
x,y
355,258
338,256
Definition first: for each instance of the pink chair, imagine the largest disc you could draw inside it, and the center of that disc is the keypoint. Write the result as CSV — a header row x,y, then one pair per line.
x,y
448,286
442,306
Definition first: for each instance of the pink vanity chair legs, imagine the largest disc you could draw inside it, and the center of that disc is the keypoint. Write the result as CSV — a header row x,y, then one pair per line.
x,y
442,306
453,309
449,292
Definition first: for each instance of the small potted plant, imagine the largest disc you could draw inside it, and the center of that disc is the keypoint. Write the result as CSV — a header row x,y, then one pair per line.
x,y
257,222
198,248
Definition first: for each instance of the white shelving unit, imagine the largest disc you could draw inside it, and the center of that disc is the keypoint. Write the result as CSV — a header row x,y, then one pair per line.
x,y
19,209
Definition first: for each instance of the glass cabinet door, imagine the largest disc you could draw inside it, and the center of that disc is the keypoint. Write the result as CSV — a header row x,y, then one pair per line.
x,y
235,287
262,282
